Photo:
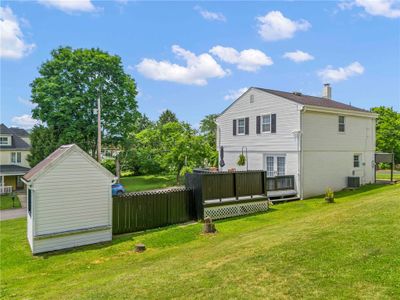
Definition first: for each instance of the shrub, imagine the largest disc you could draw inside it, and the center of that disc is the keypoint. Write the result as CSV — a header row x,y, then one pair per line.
x,y
109,164
329,195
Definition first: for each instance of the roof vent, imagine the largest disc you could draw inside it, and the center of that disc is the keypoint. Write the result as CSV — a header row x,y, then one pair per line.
x,y
297,94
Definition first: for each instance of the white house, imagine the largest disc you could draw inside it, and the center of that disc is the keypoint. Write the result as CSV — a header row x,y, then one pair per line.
x,y
321,142
69,201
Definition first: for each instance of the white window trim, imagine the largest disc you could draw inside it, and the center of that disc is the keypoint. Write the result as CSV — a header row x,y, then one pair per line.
x,y
8,140
270,123
244,126
344,124
359,160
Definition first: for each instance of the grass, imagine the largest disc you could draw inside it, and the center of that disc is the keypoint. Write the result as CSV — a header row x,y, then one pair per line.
x,y
6,202
385,175
148,182
299,250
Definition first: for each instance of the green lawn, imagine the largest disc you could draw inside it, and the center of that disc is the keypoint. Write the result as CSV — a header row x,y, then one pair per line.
x,y
299,250
6,202
147,182
385,175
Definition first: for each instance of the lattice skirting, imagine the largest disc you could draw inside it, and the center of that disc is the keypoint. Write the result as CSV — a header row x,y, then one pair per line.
x,y
232,210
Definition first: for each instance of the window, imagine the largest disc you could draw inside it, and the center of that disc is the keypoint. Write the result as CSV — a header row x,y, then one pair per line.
x,y
241,126
251,98
16,157
356,161
341,124
266,123
3,140
29,202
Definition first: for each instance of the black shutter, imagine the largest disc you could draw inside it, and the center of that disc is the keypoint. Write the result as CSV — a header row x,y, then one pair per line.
x,y
258,125
246,126
273,123
234,127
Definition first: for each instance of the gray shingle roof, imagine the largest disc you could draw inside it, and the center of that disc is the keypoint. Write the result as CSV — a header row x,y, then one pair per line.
x,y
16,142
13,169
19,131
311,100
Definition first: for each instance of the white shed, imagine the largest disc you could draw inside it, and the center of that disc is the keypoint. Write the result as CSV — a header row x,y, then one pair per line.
x,y
69,201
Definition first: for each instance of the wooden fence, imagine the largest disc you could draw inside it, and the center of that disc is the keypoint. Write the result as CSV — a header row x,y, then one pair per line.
x,y
145,210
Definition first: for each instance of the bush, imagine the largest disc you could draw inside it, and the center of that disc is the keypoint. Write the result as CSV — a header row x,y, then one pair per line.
x,y
109,164
329,196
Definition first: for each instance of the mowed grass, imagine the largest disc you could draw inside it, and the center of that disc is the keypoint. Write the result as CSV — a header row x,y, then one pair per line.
x,y
147,182
6,202
385,175
299,250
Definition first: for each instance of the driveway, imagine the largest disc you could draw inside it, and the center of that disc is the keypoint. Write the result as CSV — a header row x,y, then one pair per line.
x,y
14,213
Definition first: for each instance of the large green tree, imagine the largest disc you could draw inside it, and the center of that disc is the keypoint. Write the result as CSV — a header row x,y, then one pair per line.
x,y
66,94
208,128
388,130
43,143
167,116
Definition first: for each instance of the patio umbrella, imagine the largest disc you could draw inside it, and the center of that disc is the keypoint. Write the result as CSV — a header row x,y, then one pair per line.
x,y
221,156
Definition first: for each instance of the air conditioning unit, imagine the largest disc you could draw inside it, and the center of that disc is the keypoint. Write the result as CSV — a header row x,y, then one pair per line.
x,y
353,181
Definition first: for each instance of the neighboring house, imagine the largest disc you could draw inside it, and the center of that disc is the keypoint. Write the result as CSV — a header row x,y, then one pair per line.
x,y
69,201
14,149
316,141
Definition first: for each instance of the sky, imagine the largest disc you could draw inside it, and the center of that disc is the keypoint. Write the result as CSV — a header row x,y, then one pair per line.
x,y
195,58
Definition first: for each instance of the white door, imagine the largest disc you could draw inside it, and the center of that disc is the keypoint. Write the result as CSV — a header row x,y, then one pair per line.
x,y
275,165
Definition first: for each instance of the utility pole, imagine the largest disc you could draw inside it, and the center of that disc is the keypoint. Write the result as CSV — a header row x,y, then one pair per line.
x,y
98,130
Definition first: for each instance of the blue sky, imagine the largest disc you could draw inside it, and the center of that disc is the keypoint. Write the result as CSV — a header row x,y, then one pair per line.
x,y
195,57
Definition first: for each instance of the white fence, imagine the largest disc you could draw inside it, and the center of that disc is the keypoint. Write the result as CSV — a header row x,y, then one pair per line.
x,y
5,190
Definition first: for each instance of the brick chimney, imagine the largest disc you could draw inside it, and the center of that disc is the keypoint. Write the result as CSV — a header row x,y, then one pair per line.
x,y
327,91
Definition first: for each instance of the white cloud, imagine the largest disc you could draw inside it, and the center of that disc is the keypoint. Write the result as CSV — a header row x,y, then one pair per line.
x,y
12,44
26,102
234,94
298,56
24,121
329,74
198,68
209,15
384,8
275,26
248,60
70,6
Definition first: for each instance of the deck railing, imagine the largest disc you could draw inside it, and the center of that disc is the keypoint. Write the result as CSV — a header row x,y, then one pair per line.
x,y
280,183
5,190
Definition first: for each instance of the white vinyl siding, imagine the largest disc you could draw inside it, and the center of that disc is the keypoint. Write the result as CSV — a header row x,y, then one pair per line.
x,y
72,195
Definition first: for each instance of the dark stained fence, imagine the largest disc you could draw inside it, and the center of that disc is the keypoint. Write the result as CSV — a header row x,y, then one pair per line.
x,y
145,210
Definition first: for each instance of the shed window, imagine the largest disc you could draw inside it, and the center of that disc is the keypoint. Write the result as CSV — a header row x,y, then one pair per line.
x,y
266,123
29,202
341,124
251,98
356,161
241,126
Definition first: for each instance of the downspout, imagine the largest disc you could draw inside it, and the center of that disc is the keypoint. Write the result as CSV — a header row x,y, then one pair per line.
x,y
301,158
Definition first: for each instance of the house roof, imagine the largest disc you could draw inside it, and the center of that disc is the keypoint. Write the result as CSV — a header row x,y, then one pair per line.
x,y
13,169
19,131
54,157
16,142
312,100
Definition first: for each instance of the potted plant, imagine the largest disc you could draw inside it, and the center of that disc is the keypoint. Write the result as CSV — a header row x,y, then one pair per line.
x,y
242,160
329,196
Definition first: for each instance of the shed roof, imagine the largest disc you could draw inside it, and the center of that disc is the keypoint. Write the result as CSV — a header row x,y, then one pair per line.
x,y
54,157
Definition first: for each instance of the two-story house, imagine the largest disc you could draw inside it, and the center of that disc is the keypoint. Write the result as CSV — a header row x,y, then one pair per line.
x,y
14,149
317,141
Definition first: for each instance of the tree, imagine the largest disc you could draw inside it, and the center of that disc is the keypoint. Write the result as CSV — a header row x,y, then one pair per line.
x,y
172,147
43,144
167,116
66,94
208,128
388,130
